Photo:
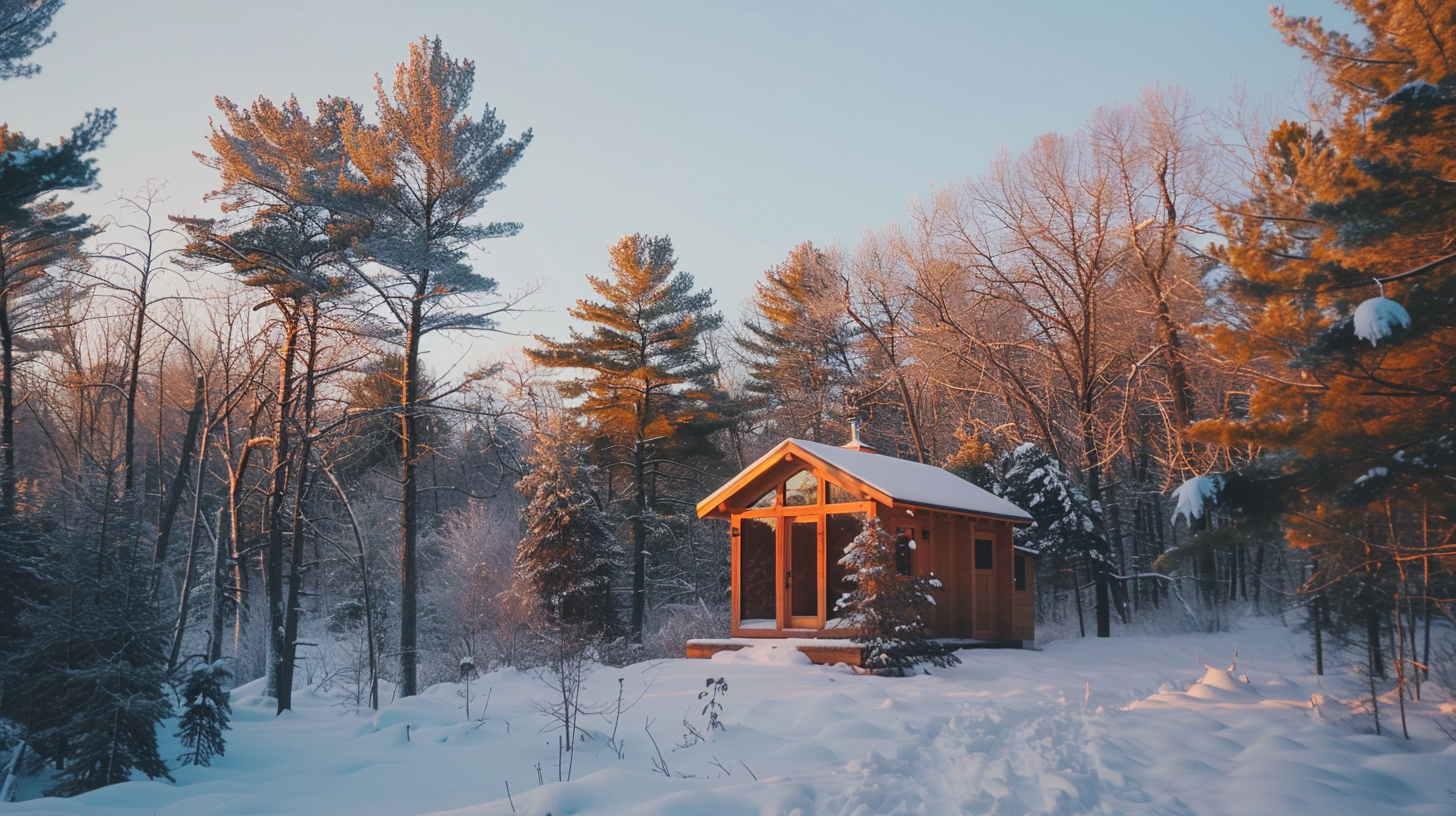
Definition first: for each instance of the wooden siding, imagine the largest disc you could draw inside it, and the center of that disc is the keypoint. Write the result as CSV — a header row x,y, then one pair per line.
x,y
1023,605
979,604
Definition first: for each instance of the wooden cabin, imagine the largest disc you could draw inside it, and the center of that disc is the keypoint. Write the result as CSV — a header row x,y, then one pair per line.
x,y
795,510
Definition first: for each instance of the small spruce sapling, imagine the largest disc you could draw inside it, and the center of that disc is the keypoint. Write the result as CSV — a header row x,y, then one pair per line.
x,y
205,715
884,606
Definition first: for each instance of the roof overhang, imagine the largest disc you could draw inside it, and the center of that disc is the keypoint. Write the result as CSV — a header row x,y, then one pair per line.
x,y
792,454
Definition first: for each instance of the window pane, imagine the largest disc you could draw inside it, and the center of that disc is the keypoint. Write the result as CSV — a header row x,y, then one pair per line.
x,y
983,554
1020,573
801,489
904,545
757,552
840,530
834,494
768,499
804,568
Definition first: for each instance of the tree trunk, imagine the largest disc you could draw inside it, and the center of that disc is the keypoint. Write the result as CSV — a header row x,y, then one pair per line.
x,y
179,483
133,377
1319,634
292,610
364,581
7,410
409,497
228,557
906,399
273,521
1100,557
1372,638
184,601
221,543
639,541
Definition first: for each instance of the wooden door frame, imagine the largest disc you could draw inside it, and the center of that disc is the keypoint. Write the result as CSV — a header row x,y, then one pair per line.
x,y
784,516
784,568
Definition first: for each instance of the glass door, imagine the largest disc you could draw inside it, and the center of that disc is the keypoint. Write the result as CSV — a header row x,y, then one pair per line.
x,y
802,578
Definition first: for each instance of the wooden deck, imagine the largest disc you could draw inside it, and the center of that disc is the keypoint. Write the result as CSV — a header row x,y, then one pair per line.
x,y
823,651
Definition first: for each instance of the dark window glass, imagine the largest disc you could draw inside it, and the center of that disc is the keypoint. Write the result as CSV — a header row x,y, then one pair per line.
x,y
801,489
768,499
837,495
904,545
804,568
840,529
983,554
1020,570
757,557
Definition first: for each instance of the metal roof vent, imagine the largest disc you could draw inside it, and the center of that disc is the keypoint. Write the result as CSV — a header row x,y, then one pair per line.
x,y
855,443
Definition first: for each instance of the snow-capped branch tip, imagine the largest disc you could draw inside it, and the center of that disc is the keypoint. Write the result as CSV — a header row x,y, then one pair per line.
x,y
1379,317
1192,496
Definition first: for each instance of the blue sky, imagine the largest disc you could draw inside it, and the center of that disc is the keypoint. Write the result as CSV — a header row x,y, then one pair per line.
x,y
738,129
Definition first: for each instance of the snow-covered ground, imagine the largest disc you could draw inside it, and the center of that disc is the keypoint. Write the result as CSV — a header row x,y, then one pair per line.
x,y
1132,725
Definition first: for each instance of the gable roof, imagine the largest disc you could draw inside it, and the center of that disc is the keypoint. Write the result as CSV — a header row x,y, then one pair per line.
x,y
887,479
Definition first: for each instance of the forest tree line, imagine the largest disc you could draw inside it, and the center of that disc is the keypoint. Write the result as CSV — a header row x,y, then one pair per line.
x,y
1212,355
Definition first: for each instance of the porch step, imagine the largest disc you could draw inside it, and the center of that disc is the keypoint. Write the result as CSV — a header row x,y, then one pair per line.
x,y
824,650
818,650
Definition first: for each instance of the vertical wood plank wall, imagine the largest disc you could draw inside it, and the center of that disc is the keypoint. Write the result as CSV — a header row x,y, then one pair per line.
x,y
1024,605
980,604
962,570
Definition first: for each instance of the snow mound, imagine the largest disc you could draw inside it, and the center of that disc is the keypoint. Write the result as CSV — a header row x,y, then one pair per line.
x,y
1221,684
1378,318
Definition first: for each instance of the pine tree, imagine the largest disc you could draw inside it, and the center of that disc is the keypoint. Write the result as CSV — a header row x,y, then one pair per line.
x,y
279,171
569,556
419,178
1064,522
884,606
798,347
36,236
30,170
89,684
205,714
32,251
650,391
22,31
1348,444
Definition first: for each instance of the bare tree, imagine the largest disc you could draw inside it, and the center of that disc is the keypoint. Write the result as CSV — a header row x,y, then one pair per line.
x,y
130,267
1038,239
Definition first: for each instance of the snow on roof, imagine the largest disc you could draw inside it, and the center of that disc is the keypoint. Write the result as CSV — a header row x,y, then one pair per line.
x,y
913,483
902,481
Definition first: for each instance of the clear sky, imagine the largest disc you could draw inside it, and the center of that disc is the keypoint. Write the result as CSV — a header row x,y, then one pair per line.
x,y
738,129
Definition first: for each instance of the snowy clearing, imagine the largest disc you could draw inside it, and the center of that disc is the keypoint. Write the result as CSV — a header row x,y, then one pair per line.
x,y
1132,725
